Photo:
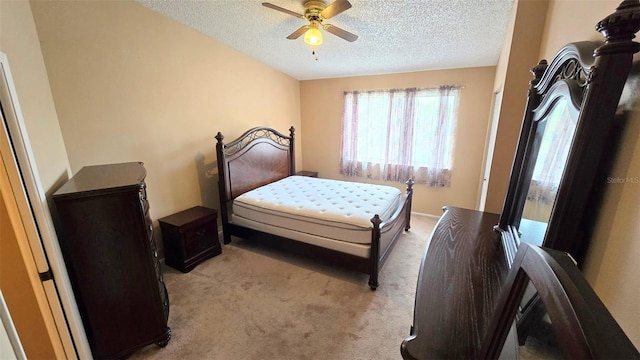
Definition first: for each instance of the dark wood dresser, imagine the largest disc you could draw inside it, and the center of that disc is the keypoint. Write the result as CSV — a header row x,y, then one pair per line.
x,y
458,287
106,237
470,302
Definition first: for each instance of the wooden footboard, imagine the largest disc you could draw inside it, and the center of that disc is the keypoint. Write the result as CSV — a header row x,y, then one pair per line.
x,y
263,155
385,233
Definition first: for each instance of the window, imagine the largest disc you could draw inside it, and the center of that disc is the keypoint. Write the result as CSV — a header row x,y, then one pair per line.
x,y
395,135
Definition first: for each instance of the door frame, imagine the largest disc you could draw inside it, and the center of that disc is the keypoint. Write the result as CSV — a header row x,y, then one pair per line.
x,y
40,248
492,133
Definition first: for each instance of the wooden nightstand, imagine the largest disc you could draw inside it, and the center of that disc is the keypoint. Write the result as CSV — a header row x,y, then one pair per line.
x,y
307,173
190,237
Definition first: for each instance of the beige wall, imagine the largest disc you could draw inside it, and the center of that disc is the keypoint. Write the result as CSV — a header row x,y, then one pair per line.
x,y
322,106
521,54
19,279
19,41
132,85
558,31
612,263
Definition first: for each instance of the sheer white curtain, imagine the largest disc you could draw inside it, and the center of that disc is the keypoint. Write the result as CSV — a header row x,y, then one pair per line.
x,y
552,156
398,134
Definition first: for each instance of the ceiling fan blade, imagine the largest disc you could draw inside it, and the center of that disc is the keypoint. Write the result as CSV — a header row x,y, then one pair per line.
x,y
335,8
286,11
341,33
296,34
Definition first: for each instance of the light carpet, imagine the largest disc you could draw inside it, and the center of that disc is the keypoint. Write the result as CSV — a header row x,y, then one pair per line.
x,y
253,302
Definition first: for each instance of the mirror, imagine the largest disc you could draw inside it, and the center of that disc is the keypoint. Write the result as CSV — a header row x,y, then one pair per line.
x,y
558,171
536,334
553,136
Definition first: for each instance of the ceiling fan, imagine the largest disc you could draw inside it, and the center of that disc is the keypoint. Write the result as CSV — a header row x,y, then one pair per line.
x,y
316,12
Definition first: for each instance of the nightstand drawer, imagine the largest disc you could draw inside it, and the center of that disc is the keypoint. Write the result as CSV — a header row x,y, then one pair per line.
x,y
199,239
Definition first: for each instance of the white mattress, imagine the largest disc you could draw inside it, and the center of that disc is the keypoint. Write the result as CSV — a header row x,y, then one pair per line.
x,y
317,208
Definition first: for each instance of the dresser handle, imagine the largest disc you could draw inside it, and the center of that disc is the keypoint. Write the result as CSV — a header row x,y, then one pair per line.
x,y
201,232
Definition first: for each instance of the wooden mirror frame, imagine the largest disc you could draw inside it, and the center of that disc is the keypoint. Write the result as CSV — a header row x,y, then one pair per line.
x,y
590,76
582,325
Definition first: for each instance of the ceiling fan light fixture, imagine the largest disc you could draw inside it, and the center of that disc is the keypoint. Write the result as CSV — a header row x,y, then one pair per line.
x,y
316,12
313,36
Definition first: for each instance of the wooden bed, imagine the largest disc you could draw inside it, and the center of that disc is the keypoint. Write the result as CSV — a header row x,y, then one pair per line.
x,y
263,155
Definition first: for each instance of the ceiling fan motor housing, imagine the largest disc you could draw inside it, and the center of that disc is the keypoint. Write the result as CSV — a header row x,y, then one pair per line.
x,y
313,8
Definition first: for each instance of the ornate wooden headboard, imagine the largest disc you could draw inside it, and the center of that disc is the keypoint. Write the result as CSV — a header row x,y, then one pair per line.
x,y
259,156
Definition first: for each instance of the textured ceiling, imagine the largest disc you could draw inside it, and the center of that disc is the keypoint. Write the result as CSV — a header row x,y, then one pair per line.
x,y
394,35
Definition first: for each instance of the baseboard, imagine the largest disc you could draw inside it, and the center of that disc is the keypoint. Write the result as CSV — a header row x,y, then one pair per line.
x,y
425,215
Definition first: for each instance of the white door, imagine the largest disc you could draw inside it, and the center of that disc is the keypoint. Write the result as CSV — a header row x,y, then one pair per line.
x,y
491,142
23,185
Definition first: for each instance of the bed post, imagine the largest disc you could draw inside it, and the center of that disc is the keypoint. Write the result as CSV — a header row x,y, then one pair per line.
x,y
407,224
292,153
222,188
374,256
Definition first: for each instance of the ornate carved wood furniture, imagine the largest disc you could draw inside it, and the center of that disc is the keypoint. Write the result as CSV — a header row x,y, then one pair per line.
x,y
460,279
467,298
472,278
190,237
582,324
263,156
107,242
585,81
